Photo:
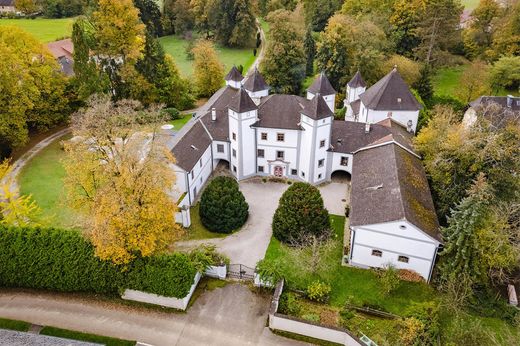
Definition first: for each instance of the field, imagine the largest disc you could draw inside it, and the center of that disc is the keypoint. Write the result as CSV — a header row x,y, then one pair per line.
x,y
176,47
470,4
45,30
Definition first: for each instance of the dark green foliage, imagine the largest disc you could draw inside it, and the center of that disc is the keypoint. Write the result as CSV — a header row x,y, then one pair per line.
x,y
223,207
310,51
64,8
318,12
289,304
300,213
454,103
424,85
166,275
150,14
62,260
233,22
428,313
172,113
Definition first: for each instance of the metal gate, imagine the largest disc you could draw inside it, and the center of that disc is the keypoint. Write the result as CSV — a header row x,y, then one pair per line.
x,y
241,272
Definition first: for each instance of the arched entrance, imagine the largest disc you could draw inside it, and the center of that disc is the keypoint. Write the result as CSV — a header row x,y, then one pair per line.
x,y
340,176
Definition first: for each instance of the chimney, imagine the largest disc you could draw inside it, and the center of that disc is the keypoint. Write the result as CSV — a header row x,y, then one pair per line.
x,y
409,126
509,101
213,114
367,127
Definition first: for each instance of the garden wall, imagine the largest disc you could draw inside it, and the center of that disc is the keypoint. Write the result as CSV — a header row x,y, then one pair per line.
x,y
294,325
217,272
150,298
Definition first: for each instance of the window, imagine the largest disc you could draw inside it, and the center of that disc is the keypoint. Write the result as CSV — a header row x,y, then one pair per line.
x,y
319,176
294,172
403,259
280,155
377,253
344,161
321,162
234,153
322,143
234,136
220,148
303,174
235,169
261,169
192,174
264,136
280,137
260,153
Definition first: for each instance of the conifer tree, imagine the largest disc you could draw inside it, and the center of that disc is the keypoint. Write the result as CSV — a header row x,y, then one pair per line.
x,y
424,85
310,51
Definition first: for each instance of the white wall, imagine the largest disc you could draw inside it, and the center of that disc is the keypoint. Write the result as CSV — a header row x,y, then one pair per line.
x,y
270,146
336,163
216,155
323,132
306,148
201,172
329,99
401,117
353,93
393,241
245,162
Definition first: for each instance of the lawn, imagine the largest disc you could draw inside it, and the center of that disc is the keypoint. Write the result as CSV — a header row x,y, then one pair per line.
x,y
42,178
176,47
197,230
14,325
179,123
45,30
470,4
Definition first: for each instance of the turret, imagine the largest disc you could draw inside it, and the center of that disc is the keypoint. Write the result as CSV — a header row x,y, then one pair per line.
x,y
355,87
322,86
234,78
256,86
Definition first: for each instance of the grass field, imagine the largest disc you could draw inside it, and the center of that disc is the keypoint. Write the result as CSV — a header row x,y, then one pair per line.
x,y
176,47
45,30
42,178
470,4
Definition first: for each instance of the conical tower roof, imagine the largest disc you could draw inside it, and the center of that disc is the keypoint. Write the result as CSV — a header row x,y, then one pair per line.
x,y
241,102
255,82
357,81
321,85
234,75
317,108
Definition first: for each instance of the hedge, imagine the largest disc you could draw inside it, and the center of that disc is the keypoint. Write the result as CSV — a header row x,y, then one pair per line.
x,y
62,260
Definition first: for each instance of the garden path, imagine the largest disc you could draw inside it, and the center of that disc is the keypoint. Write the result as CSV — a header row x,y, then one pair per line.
x,y
232,315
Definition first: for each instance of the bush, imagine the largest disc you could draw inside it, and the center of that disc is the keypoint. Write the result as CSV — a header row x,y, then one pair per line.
x,y
206,256
62,260
172,113
318,291
389,280
223,207
300,213
289,304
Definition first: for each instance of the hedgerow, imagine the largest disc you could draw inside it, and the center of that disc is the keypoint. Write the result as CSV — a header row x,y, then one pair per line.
x,y
62,260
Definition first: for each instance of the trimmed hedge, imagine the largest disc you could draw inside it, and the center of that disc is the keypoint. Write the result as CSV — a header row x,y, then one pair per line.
x,y
223,207
62,260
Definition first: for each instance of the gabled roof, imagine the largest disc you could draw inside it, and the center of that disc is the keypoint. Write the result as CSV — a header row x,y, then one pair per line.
x,y
255,82
241,102
234,75
357,81
389,184
321,85
191,147
390,93
281,112
62,48
317,108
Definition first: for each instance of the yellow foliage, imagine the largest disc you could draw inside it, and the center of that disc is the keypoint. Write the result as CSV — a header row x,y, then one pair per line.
x,y
209,72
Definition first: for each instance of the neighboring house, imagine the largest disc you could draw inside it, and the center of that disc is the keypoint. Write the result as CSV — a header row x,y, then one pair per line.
x,y
258,134
390,97
509,105
63,51
7,6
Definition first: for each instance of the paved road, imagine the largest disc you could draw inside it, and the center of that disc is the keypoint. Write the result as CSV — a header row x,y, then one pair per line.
x,y
229,316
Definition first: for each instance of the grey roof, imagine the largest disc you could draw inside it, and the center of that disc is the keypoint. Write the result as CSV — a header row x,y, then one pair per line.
x,y
500,100
357,81
355,106
191,147
390,93
349,136
281,112
218,128
317,108
389,184
322,86
6,2
15,338
255,82
241,102
234,75
67,65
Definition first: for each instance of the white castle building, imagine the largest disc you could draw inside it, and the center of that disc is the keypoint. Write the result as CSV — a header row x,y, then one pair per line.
x,y
256,133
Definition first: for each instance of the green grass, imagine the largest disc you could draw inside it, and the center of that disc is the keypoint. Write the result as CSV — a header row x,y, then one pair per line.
x,y
69,334
45,30
470,4
197,230
176,47
43,177
179,123
20,326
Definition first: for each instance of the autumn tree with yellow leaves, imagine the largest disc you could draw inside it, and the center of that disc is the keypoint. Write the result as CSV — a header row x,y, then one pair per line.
x,y
118,172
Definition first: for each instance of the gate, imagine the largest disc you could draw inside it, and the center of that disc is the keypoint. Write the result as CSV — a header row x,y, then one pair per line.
x,y
241,272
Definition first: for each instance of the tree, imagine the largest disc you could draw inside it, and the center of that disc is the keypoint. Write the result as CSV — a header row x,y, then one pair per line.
x,y
506,37
26,6
33,87
223,208
505,73
424,84
64,8
300,213
438,29
405,19
209,72
310,51
318,12
201,10
150,15
313,251
120,176
408,69
389,279
474,82
478,38
233,22
179,16
348,45
15,210
284,63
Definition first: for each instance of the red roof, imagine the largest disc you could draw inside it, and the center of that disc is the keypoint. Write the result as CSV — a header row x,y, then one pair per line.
x,y
62,48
